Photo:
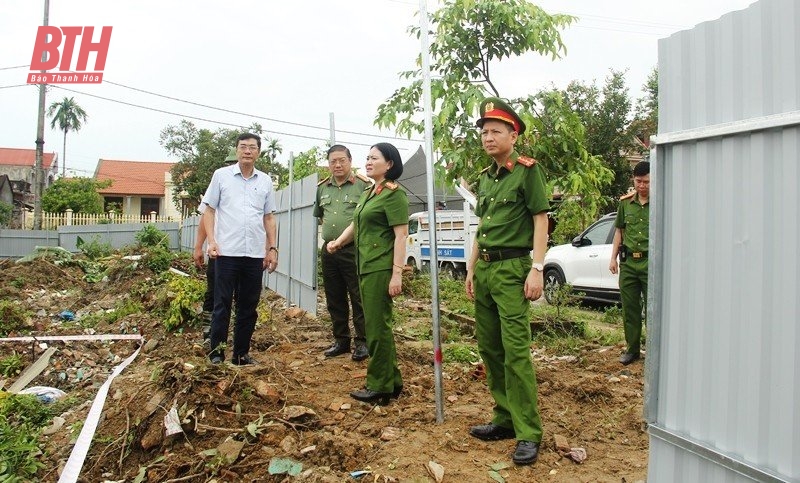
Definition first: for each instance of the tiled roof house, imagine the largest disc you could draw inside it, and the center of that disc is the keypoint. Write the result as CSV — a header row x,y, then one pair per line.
x,y
138,187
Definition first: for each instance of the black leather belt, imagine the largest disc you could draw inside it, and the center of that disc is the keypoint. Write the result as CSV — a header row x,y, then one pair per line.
x,y
503,254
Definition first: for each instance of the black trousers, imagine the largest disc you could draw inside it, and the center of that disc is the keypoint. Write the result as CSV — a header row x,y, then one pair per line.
x,y
243,275
340,277
208,298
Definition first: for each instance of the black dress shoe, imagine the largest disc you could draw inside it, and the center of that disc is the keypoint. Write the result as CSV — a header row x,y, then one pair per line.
x,y
216,359
337,349
626,358
491,432
360,353
370,396
244,360
526,452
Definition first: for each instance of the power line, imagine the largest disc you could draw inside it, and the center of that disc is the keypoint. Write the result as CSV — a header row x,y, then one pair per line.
x,y
199,118
14,67
18,85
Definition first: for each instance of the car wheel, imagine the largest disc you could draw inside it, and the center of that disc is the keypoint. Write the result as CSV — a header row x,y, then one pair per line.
x,y
552,279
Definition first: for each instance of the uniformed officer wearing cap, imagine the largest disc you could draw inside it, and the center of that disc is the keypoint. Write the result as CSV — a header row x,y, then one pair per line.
x,y
337,196
199,258
631,237
379,230
502,279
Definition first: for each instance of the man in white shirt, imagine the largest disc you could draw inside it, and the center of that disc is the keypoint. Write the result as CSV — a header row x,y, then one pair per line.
x,y
242,237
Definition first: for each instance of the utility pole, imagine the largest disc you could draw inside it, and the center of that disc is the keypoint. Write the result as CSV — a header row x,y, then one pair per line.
x,y
38,175
333,128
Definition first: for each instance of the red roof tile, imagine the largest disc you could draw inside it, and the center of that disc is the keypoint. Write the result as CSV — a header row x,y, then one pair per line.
x,y
24,157
133,178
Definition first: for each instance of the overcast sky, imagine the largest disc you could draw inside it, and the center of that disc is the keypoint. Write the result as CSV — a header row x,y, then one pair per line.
x,y
289,62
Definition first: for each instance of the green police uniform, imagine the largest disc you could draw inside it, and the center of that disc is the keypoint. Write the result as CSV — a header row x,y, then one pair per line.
x,y
374,220
335,205
634,218
508,197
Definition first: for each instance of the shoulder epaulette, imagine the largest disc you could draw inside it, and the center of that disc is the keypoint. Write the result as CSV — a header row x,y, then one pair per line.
x,y
363,178
324,181
391,185
526,161
628,196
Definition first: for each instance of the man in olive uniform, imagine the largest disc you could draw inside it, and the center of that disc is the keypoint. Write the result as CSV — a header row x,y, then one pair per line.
x,y
503,279
630,243
337,197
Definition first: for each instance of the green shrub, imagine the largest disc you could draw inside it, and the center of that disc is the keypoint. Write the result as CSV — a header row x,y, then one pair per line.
x,y
95,248
186,296
613,315
462,353
6,211
12,317
21,419
158,259
150,236
11,365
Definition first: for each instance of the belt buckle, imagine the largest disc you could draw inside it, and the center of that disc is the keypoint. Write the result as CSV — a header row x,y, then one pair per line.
x,y
485,257
637,254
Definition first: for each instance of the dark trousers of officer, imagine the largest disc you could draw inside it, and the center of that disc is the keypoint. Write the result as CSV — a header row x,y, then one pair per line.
x,y
340,276
243,275
383,373
633,293
503,330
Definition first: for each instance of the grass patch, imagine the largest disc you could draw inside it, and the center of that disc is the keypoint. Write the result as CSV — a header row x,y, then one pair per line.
x,y
12,317
21,418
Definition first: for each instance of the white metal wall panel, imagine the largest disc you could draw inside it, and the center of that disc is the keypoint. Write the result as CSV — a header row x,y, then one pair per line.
x,y
723,361
296,276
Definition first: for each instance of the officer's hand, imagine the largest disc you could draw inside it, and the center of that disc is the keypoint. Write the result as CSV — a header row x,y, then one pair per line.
x,y
197,256
613,266
212,250
468,286
332,246
395,284
534,285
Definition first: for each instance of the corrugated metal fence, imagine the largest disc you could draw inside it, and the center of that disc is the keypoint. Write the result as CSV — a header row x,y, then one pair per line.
x,y
722,389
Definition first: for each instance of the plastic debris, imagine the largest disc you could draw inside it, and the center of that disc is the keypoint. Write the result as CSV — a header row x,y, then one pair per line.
x,y
359,473
172,422
44,394
67,315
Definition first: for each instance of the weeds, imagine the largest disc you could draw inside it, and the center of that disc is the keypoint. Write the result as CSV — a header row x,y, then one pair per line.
x,y
150,236
12,317
21,420
186,294
11,365
461,353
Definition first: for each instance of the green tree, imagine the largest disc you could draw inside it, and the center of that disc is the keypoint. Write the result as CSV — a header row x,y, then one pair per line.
x,y
69,116
645,122
307,163
202,151
6,210
606,114
79,194
470,36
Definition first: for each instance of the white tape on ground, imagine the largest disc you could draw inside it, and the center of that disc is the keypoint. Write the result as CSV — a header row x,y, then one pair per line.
x,y
73,337
75,462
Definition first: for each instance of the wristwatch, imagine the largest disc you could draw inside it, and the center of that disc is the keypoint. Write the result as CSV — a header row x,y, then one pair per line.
x,y
273,248
538,267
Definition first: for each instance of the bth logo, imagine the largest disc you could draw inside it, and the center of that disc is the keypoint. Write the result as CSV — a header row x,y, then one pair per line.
x,y
49,39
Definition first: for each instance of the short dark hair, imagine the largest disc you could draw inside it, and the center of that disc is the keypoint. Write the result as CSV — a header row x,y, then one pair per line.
x,y
249,135
391,154
642,168
338,147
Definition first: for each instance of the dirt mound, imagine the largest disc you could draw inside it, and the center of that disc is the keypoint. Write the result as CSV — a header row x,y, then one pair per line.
x,y
294,406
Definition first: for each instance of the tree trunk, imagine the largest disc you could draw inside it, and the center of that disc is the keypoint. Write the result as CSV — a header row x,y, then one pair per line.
x,y
64,155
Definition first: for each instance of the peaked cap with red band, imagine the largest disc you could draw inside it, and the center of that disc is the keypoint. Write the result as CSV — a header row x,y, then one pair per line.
x,y
494,108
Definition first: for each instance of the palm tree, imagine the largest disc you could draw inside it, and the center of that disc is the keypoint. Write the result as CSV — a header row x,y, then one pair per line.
x,y
69,116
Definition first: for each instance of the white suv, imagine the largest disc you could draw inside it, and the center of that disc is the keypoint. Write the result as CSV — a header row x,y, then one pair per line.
x,y
584,263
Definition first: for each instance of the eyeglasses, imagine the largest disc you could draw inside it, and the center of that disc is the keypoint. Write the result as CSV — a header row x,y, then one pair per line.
x,y
334,162
248,147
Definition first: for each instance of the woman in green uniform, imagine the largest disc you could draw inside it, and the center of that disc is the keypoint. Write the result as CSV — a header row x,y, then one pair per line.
x,y
379,230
